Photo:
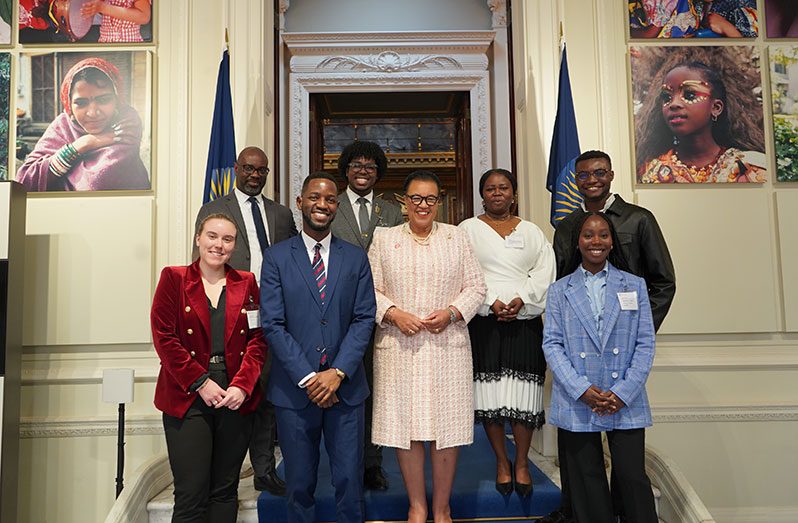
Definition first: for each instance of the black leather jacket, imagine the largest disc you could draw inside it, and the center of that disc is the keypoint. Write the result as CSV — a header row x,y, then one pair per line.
x,y
642,245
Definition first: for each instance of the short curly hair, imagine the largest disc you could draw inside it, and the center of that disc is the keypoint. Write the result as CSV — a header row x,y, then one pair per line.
x,y
367,150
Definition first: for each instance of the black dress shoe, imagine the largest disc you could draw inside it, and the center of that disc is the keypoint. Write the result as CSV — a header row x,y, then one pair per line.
x,y
271,483
557,516
374,479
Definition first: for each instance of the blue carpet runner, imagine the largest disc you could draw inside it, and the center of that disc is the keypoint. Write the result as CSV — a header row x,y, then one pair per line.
x,y
474,496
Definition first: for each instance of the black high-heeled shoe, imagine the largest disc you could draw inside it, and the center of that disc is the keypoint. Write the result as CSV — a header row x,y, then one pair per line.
x,y
505,489
522,489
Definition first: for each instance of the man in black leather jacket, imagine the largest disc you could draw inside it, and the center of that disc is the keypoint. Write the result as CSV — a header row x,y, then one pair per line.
x,y
646,253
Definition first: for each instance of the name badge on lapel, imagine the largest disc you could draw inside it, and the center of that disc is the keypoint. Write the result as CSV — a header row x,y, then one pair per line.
x,y
628,300
514,241
253,314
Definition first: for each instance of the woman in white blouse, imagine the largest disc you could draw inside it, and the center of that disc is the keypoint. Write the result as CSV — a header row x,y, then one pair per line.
x,y
507,333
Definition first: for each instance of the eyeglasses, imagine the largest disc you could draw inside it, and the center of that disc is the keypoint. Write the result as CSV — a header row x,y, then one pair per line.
x,y
417,199
249,169
600,174
368,167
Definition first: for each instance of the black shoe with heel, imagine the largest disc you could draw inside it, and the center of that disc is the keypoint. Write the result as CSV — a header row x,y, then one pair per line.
x,y
505,489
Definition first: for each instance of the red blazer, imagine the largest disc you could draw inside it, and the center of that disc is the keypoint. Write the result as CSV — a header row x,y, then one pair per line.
x,y
181,334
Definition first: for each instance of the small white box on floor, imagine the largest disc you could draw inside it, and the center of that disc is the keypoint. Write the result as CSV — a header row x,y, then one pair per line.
x,y
118,385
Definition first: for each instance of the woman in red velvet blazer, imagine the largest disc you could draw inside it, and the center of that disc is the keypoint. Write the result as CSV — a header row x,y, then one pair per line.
x,y
206,330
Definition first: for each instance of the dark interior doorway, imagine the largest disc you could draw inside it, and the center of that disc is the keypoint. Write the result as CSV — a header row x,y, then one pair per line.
x,y
429,130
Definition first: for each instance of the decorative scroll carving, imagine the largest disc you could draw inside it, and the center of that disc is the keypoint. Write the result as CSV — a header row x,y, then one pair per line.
x,y
499,10
388,62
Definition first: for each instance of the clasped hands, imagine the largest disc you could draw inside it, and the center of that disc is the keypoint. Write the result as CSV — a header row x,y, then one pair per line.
x,y
322,386
507,311
215,396
410,324
601,402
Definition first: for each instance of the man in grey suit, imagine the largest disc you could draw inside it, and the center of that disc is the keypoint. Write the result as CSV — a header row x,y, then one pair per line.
x,y
260,222
360,212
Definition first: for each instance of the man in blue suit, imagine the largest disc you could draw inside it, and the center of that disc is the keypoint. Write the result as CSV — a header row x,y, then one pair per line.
x,y
317,312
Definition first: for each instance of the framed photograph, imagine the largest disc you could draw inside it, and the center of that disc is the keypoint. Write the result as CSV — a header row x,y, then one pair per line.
x,y
84,121
85,21
698,114
693,19
5,88
782,18
784,87
6,19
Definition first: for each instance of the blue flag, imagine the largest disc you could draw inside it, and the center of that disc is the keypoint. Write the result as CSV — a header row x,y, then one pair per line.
x,y
219,174
560,181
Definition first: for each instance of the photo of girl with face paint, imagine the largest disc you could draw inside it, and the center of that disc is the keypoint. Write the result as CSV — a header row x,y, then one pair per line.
x,y
698,115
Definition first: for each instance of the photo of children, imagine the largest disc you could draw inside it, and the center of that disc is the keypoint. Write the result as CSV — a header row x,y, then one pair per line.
x,y
698,115
784,87
693,18
6,17
782,18
95,139
85,21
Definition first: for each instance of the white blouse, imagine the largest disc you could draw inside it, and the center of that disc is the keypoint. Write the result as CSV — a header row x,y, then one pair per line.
x,y
520,265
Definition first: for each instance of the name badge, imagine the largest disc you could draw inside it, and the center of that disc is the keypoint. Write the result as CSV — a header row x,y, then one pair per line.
x,y
514,241
628,300
253,319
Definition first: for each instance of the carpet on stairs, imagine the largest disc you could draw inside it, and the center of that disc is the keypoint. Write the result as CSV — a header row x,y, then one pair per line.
x,y
474,496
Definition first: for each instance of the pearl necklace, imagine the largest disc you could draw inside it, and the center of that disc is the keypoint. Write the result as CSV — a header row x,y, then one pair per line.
x,y
421,240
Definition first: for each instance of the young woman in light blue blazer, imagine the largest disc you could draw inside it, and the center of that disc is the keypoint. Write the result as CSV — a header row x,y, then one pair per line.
x,y
598,341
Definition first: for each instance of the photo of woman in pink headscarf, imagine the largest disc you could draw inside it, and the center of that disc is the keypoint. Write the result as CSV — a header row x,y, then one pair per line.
x,y
94,144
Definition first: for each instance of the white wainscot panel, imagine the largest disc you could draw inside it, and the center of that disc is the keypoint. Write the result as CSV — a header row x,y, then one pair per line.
x,y
88,276
787,205
722,243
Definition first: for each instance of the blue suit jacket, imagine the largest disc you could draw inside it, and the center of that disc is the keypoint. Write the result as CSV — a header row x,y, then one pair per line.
x,y
619,360
297,326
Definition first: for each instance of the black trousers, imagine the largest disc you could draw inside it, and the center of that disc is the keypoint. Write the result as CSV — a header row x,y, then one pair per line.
x,y
590,496
372,454
206,449
264,431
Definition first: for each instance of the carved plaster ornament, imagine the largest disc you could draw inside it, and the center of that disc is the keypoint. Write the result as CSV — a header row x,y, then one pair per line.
x,y
499,10
388,62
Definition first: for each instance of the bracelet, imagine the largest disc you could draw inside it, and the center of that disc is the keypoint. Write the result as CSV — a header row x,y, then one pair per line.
x,y
452,314
63,159
387,316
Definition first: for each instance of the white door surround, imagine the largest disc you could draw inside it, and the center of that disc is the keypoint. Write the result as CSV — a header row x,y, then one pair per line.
x,y
370,62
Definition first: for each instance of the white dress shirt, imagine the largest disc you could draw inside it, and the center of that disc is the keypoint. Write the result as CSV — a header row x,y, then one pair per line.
x,y
610,201
255,254
353,196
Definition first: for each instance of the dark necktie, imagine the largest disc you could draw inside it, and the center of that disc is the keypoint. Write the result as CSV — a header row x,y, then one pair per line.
x,y
319,272
260,229
363,215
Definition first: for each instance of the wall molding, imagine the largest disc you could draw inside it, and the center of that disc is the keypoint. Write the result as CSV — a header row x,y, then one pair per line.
x,y
138,425
87,367
151,424
740,354
733,413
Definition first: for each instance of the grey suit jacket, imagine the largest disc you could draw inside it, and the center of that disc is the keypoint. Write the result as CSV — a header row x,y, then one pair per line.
x,y
346,226
279,218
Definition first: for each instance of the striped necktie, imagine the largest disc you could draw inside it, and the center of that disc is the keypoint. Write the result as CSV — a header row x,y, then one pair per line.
x,y
319,272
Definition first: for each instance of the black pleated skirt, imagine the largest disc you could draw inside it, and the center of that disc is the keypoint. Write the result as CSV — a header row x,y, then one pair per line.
x,y
509,370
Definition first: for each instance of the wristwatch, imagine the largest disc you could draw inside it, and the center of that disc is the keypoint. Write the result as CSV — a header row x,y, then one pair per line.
x,y
339,373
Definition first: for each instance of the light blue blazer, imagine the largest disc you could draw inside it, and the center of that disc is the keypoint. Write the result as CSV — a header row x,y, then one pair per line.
x,y
619,360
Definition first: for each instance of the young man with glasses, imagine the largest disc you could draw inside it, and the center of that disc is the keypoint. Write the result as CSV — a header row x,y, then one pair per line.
x,y
360,212
642,245
260,222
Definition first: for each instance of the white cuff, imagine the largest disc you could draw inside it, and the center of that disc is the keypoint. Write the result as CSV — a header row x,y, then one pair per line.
x,y
304,380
